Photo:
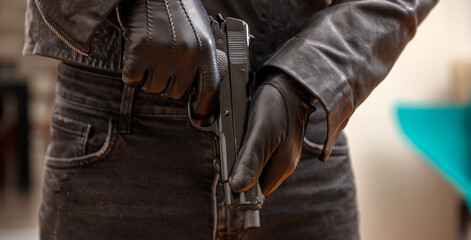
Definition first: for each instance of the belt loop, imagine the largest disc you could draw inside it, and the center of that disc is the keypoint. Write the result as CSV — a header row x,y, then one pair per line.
x,y
125,111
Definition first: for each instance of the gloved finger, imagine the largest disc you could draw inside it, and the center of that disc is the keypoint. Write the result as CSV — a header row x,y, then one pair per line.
x,y
158,79
181,84
250,162
205,101
133,74
185,49
281,164
265,132
161,74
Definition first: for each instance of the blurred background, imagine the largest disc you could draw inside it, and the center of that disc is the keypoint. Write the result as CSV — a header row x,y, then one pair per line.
x,y
400,196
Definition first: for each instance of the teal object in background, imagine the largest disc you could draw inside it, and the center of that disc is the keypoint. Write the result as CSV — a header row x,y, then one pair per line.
x,y
442,133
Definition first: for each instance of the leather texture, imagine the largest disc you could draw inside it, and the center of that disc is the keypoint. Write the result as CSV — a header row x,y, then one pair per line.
x,y
77,21
168,45
275,132
338,50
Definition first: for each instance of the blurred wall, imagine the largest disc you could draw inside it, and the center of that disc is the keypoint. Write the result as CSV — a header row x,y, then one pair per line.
x,y
40,74
16,208
400,196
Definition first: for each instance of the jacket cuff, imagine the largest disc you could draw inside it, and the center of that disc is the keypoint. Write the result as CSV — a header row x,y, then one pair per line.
x,y
313,71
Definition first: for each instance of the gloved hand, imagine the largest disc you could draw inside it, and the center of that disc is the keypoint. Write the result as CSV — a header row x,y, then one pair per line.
x,y
272,145
169,45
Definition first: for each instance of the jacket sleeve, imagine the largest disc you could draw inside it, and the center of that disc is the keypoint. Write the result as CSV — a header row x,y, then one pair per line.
x,y
75,21
346,51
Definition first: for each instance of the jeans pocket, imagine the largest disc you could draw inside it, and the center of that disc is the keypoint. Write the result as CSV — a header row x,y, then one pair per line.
x,y
313,142
312,149
76,142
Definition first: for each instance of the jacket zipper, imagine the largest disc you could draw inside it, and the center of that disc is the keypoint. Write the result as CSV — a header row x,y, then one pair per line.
x,y
113,24
63,39
54,30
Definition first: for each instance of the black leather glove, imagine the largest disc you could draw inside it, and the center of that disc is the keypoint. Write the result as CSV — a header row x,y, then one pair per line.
x,y
272,145
169,44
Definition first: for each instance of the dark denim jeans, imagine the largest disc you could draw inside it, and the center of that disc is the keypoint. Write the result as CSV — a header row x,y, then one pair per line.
x,y
123,164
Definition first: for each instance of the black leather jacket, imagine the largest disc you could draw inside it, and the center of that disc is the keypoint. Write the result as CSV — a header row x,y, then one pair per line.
x,y
340,50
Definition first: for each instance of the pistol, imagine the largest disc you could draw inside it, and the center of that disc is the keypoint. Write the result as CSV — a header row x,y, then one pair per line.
x,y
232,38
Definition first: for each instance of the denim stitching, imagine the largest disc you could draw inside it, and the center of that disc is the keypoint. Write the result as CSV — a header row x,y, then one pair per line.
x,y
84,105
86,159
129,113
80,134
85,139
100,110
57,220
124,125
81,72
161,115
215,205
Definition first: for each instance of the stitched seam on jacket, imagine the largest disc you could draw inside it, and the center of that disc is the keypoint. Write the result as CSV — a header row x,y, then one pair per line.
x,y
113,24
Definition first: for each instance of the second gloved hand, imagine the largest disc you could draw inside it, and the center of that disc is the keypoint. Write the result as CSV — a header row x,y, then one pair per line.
x,y
275,130
169,45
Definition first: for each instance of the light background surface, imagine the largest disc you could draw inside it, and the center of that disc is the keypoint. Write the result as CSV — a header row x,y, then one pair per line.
x,y
400,196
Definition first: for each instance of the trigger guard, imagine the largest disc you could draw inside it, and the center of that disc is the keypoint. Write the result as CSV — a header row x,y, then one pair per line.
x,y
211,128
